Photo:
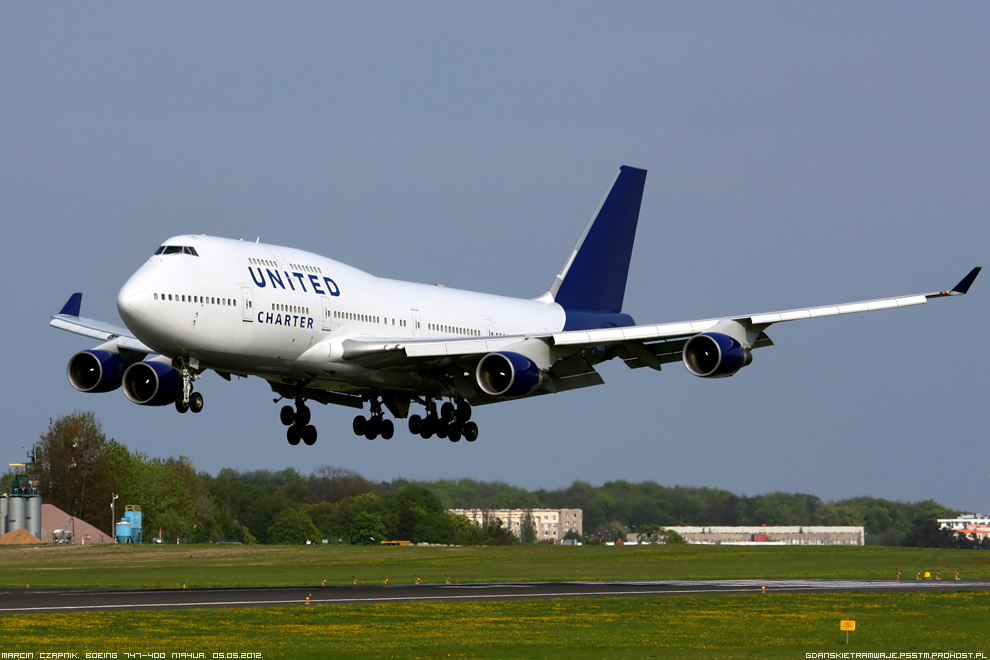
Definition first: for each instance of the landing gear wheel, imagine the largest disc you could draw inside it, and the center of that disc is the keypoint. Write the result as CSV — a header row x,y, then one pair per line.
x,y
415,424
196,402
427,427
470,431
387,429
294,435
442,429
303,415
181,406
463,412
371,428
359,425
447,411
309,434
287,415
454,433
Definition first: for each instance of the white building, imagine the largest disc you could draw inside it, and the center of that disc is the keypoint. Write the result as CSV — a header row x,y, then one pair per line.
x,y
551,524
797,535
973,525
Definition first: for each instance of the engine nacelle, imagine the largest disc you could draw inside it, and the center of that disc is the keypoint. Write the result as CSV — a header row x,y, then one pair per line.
x,y
508,374
95,371
714,355
152,383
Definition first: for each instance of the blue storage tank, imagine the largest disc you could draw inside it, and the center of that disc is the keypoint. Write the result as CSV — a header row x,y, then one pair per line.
x,y
123,531
132,513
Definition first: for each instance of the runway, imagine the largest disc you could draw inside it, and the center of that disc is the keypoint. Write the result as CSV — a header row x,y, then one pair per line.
x,y
39,600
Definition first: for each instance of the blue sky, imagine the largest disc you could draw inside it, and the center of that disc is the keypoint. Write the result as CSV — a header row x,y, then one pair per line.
x,y
797,154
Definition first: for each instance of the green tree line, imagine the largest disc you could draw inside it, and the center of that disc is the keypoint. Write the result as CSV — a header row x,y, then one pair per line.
x,y
78,469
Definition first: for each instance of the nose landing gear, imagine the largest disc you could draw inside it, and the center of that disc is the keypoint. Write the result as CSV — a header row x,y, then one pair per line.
x,y
189,400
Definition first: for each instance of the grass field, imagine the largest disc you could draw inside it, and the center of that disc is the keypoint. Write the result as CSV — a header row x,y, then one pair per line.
x,y
751,626
237,566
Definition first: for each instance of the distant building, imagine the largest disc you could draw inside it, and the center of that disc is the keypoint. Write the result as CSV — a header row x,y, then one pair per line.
x,y
800,535
972,525
551,524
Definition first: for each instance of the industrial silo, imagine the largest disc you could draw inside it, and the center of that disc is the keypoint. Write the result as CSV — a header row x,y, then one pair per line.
x,y
33,518
123,531
3,514
15,514
132,514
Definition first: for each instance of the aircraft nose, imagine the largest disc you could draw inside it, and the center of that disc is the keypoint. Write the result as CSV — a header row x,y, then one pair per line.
x,y
133,301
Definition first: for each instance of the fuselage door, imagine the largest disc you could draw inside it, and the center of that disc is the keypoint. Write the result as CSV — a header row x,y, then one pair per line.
x,y
490,327
415,323
247,304
327,314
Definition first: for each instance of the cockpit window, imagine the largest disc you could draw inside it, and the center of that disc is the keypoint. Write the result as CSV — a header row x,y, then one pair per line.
x,y
177,249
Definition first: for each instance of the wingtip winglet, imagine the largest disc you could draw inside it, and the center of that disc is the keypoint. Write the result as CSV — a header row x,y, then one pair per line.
x,y
966,282
73,305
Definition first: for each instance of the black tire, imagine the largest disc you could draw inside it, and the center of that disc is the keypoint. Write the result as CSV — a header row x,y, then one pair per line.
x,y
303,415
442,429
309,435
387,429
463,412
180,406
371,429
470,431
293,435
196,402
447,411
287,415
415,424
427,427
454,433
359,425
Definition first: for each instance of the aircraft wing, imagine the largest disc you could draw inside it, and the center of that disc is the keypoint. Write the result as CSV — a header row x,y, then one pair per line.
x,y
640,345
68,319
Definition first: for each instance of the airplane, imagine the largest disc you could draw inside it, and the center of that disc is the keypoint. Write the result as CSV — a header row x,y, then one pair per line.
x,y
318,330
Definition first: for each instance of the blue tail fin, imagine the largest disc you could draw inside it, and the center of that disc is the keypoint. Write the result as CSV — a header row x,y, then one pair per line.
x,y
591,285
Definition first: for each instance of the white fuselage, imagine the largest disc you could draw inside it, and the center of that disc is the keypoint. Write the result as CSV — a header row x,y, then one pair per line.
x,y
282,313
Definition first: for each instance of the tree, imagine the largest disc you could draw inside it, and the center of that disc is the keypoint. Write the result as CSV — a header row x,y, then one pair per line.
x,y
527,528
71,468
292,527
367,529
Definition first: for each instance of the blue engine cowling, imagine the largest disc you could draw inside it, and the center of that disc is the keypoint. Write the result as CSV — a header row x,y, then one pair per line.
x,y
95,371
508,374
152,383
714,355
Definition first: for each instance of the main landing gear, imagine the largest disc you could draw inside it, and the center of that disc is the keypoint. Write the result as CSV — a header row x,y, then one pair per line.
x,y
376,426
452,423
189,400
298,422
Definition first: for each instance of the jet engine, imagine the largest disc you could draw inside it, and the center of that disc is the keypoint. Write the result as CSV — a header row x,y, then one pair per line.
x,y
714,355
152,383
509,374
95,371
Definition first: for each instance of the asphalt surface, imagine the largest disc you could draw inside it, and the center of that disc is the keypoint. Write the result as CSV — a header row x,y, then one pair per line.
x,y
37,600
